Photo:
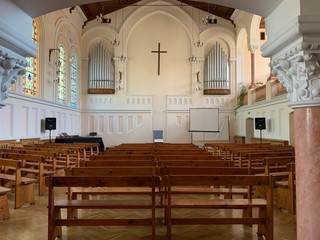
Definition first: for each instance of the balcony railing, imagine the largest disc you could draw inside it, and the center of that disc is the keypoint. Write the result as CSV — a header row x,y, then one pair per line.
x,y
265,92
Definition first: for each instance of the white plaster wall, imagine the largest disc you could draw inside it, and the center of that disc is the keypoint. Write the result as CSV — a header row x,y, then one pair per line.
x,y
22,118
262,66
276,113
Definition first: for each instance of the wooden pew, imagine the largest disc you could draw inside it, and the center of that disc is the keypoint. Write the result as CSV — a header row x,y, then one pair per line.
x,y
275,166
225,190
50,155
175,156
4,205
118,163
121,157
32,165
64,156
109,171
23,186
265,206
286,191
256,158
5,144
56,220
195,163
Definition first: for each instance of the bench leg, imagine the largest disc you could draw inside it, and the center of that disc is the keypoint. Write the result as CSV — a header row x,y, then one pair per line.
x,y
168,222
265,229
4,207
24,194
53,230
285,199
42,185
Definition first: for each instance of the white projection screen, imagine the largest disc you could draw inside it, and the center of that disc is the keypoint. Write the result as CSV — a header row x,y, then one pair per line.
x,y
204,119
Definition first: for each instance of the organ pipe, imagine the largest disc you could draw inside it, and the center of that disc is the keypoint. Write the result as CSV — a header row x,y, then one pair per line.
x,y
101,72
216,69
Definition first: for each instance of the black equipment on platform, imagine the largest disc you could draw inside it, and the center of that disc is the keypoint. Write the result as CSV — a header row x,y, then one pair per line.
x,y
260,123
50,124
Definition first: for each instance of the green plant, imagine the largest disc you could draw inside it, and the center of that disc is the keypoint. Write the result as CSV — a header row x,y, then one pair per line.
x,y
243,91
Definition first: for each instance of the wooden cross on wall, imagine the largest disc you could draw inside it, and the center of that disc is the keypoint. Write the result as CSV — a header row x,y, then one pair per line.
x,y
158,52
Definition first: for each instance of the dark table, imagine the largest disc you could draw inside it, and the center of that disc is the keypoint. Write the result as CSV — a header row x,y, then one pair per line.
x,y
83,140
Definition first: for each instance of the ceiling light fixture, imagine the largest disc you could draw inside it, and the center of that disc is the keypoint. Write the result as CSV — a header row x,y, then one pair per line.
x,y
209,19
102,18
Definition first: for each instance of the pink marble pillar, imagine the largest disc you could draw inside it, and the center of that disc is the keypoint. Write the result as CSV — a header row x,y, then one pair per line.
x,y
307,134
253,70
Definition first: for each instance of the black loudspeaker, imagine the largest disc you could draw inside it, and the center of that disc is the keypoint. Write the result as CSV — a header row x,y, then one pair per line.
x,y
260,123
50,123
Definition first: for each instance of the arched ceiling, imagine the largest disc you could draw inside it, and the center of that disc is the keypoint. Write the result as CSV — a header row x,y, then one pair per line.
x,y
36,8
91,10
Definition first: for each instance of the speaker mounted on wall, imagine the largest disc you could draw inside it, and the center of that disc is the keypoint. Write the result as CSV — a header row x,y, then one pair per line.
x,y
50,123
260,123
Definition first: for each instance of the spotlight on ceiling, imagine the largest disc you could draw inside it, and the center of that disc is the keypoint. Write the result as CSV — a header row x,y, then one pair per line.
x,y
103,19
210,20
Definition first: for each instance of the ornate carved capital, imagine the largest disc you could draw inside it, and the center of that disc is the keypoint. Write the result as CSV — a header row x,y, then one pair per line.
x,y
10,70
120,60
299,72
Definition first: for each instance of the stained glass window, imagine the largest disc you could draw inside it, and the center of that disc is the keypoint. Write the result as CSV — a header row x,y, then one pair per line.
x,y
30,79
74,76
61,83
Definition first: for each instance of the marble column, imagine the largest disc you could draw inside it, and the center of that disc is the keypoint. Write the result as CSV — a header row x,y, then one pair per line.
x,y
253,70
307,134
299,72
253,48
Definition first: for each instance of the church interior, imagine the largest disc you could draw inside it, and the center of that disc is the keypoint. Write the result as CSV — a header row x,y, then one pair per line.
x,y
130,77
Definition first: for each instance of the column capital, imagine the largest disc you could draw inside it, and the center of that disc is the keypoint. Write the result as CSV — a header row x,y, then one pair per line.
x,y
299,71
120,60
253,48
10,70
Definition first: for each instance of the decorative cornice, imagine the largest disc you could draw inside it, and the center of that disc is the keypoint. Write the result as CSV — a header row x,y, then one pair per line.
x,y
10,70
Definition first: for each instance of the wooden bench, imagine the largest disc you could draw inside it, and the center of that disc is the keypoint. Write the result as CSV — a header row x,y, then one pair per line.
x,y
195,163
4,205
286,191
109,171
118,163
56,221
51,158
32,165
275,166
264,220
23,186
225,190
175,156
121,157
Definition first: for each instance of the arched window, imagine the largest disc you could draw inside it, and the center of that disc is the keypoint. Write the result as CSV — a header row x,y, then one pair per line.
x,y
61,83
30,79
74,78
